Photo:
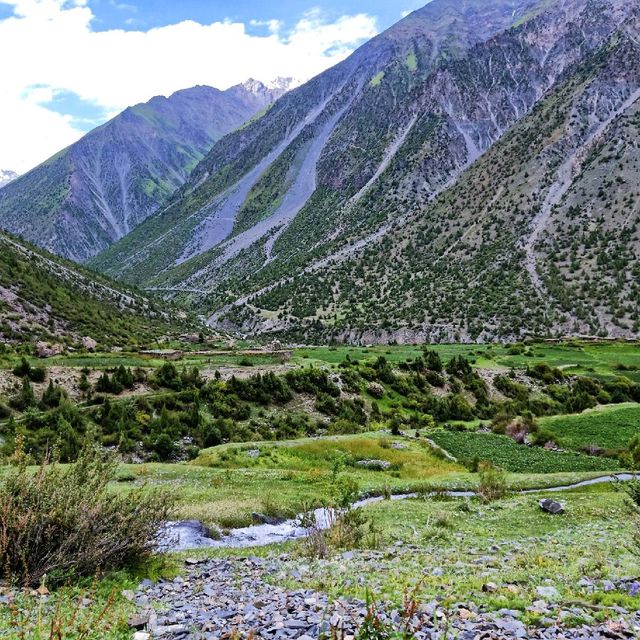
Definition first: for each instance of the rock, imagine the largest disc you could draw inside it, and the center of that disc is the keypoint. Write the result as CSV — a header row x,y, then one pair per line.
x,y
551,506
253,453
381,465
141,635
490,587
375,389
139,621
129,595
89,343
347,555
550,593
45,350
260,518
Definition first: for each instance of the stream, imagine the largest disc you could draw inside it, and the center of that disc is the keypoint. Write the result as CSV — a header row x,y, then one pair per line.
x,y
192,534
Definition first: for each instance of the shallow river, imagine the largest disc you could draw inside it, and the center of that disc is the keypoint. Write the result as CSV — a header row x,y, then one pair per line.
x,y
191,534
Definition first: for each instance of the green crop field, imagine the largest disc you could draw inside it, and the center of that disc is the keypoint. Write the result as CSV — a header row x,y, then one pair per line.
x,y
608,427
517,458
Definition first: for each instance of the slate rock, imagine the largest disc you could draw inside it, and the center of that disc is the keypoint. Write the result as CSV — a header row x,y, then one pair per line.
x,y
551,506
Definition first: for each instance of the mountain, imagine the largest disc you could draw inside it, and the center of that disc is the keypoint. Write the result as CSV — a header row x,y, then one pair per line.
x,y
97,190
467,175
6,177
44,297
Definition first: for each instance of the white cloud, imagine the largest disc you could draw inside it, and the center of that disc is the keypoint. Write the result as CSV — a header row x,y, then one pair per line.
x,y
50,45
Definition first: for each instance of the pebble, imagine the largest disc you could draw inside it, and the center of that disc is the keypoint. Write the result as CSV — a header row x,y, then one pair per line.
x,y
224,598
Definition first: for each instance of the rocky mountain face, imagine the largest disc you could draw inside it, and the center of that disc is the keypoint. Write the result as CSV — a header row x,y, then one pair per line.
x,y
6,177
469,174
99,189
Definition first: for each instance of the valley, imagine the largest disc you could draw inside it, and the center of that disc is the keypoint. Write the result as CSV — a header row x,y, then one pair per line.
x,y
352,358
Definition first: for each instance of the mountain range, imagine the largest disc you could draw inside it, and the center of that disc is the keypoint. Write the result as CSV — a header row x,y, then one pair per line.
x,y
99,189
468,175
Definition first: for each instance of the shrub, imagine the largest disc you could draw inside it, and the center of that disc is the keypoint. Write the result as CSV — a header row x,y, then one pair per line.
x,y
493,483
64,522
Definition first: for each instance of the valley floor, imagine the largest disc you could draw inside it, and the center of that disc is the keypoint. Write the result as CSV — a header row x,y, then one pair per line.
x,y
431,566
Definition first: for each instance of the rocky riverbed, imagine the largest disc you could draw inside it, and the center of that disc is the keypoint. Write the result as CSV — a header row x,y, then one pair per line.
x,y
236,598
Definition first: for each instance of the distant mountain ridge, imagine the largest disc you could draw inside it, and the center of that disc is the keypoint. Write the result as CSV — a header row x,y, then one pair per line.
x,y
97,190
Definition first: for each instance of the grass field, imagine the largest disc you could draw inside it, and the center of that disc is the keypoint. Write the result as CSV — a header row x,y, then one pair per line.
x,y
225,485
602,360
449,549
607,427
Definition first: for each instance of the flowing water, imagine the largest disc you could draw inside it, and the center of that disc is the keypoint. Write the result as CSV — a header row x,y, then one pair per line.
x,y
191,534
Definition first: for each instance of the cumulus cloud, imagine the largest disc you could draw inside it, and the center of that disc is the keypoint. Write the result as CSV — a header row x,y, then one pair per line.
x,y
49,46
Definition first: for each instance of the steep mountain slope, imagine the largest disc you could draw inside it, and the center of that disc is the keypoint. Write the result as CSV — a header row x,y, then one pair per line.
x,y
43,297
440,161
539,236
240,187
100,188
6,177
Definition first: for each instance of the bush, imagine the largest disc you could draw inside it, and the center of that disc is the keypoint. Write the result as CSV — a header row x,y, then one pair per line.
x,y
25,370
493,483
64,522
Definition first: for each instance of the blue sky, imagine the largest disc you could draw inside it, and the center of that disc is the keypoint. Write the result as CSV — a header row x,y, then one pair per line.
x,y
146,14
70,65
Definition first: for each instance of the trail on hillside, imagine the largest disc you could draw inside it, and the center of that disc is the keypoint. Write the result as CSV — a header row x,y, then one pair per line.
x,y
559,188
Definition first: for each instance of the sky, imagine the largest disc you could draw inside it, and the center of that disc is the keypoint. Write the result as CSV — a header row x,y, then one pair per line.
x,y
67,66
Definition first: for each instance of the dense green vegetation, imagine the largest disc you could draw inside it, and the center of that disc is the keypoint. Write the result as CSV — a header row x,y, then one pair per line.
x,y
451,394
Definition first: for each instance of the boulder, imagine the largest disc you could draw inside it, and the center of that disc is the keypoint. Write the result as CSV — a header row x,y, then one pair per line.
x,y
89,343
45,350
381,465
551,506
375,389
260,518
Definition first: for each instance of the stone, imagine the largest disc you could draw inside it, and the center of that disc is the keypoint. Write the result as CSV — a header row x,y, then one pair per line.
x,y
139,621
490,587
141,635
45,350
260,518
549,593
551,506
381,465
89,343
253,453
